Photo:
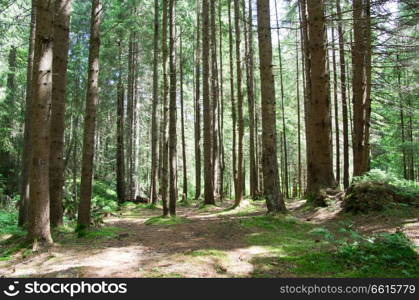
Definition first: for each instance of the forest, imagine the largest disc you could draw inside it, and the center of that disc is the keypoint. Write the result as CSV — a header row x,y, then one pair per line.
x,y
209,138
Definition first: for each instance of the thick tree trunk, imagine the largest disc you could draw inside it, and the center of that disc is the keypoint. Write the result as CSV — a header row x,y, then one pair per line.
x,y
154,129
221,108
240,123
59,84
274,198
27,150
209,187
38,219
172,109
92,97
361,82
319,162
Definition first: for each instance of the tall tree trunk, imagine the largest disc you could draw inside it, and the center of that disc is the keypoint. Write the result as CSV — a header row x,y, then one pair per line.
x,y
221,108
232,96
274,198
251,101
209,187
130,117
38,218
27,150
59,84
299,168
361,82
214,96
154,129
92,97
284,129
120,161
164,128
343,87
197,125
185,172
319,162
240,123
401,107
336,107
172,116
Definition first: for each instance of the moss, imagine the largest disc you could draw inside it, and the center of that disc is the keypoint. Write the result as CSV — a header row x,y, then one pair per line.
x,y
207,252
167,221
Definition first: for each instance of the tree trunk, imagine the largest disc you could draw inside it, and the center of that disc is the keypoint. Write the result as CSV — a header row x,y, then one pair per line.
x,y
27,150
344,98
197,125
92,98
59,84
361,82
240,123
214,96
209,187
221,108
233,102
164,128
154,129
185,173
300,189
319,162
172,117
274,198
336,107
284,129
120,161
248,33
38,218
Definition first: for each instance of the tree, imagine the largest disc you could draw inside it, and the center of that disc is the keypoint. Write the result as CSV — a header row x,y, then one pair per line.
x,y
208,180
27,151
59,84
318,131
274,198
361,85
92,97
39,215
154,130
172,115
197,108
240,123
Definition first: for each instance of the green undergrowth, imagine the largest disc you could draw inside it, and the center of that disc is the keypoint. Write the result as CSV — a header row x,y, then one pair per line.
x,y
300,249
207,252
105,232
167,221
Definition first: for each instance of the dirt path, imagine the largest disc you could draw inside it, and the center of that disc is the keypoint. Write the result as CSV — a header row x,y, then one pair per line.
x,y
211,243
207,245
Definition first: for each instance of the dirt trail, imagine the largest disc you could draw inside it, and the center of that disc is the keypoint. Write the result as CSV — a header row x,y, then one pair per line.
x,y
141,250
210,244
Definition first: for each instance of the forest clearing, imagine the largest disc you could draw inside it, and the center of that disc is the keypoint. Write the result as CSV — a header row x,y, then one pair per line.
x,y
198,138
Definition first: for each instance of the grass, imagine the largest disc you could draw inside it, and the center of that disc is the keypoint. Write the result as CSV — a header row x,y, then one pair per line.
x,y
298,249
166,221
207,252
102,233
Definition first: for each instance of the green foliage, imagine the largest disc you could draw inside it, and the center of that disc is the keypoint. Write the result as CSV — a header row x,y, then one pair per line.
x,y
167,221
382,252
102,233
207,252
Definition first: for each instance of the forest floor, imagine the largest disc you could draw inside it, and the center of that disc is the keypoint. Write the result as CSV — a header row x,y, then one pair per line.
x,y
215,242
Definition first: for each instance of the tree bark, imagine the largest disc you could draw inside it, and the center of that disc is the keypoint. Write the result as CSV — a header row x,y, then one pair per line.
x,y
39,214
27,150
209,187
197,125
172,109
92,97
154,129
240,123
274,198
59,84
319,162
